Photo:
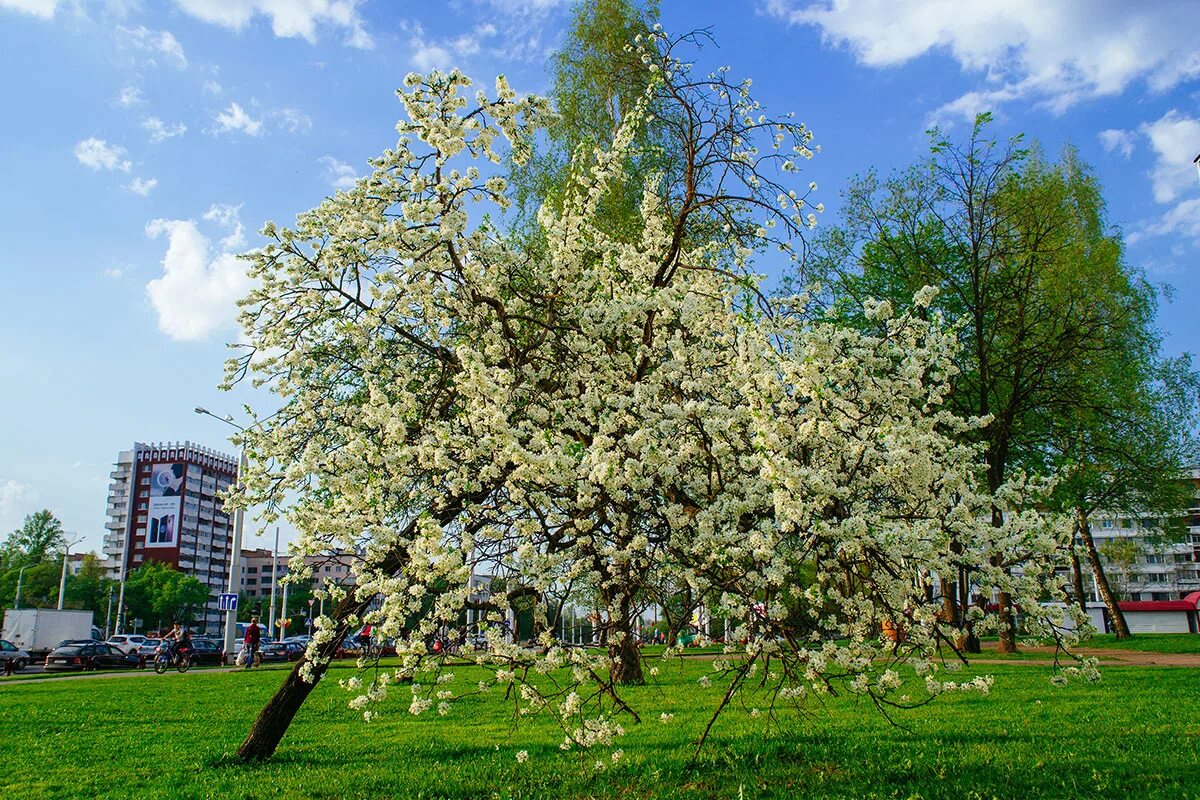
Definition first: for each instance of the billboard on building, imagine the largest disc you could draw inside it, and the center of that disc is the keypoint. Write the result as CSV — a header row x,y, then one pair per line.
x,y
166,499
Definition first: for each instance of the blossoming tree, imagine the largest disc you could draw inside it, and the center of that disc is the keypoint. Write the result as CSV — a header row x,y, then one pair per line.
x,y
610,404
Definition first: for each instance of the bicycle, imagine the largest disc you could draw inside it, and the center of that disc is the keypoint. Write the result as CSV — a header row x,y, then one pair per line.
x,y
163,660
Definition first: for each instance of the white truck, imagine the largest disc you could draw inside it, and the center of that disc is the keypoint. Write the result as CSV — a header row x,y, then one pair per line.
x,y
38,630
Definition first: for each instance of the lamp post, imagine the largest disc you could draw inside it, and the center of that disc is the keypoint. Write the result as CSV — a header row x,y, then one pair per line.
x,y
20,576
235,557
108,616
62,582
274,580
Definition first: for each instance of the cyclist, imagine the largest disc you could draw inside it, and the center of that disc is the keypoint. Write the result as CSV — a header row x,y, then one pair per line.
x,y
250,643
364,637
172,639
183,644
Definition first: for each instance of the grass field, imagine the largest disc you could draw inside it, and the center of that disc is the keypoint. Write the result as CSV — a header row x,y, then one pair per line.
x,y
1135,734
1146,642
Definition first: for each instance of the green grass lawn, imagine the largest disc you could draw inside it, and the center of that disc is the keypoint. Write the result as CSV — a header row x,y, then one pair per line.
x,y
1147,642
1135,734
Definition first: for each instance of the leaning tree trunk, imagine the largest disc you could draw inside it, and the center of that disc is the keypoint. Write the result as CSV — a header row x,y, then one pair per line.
x,y
273,721
1077,579
1120,627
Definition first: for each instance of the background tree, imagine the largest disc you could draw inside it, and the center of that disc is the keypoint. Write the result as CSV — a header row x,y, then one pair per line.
x,y
89,589
159,594
39,585
1130,454
1028,266
37,540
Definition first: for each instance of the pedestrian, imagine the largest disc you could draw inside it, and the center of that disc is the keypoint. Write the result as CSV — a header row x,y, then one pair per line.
x,y
250,643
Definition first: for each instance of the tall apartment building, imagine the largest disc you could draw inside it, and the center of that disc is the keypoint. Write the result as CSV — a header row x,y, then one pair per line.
x,y
1141,568
164,505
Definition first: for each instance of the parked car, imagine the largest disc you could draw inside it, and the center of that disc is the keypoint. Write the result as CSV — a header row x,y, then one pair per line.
x,y
71,642
207,653
127,643
148,647
10,652
96,655
275,651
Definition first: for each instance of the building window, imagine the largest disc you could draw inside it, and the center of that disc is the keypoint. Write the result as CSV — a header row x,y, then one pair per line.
x,y
251,581
252,570
1106,524
144,482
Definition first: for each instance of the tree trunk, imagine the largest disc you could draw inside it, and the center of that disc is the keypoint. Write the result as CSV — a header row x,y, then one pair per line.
x,y
273,721
1077,579
1120,627
623,648
1008,626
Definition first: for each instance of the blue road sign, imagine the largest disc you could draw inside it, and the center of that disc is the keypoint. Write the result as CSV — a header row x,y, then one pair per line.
x,y
227,602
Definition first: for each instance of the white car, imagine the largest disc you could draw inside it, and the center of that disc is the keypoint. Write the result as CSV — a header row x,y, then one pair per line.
x,y
126,643
10,652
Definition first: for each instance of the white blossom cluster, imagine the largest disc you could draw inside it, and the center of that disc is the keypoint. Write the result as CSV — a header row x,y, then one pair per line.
x,y
609,406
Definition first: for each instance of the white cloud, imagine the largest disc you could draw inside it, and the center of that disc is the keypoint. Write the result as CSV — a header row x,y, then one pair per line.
x,y
1054,53
116,273
162,42
38,8
227,216
235,118
15,498
293,120
198,291
1118,140
1182,219
1175,140
99,154
160,131
130,96
288,19
212,87
340,175
142,186
427,55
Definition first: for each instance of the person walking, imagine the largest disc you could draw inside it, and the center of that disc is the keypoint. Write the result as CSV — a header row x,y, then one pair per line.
x,y
251,642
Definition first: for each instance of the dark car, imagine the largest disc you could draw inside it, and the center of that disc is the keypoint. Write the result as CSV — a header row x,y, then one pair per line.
x,y
275,651
80,657
206,652
77,642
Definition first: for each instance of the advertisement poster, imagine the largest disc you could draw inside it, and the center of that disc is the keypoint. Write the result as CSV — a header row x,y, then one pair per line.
x,y
166,498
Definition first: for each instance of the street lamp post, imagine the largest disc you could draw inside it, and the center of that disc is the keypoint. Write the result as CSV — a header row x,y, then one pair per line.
x,y
108,616
20,577
62,582
274,580
235,557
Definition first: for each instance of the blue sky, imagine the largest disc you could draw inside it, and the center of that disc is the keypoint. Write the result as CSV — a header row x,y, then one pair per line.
x,y
146,142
